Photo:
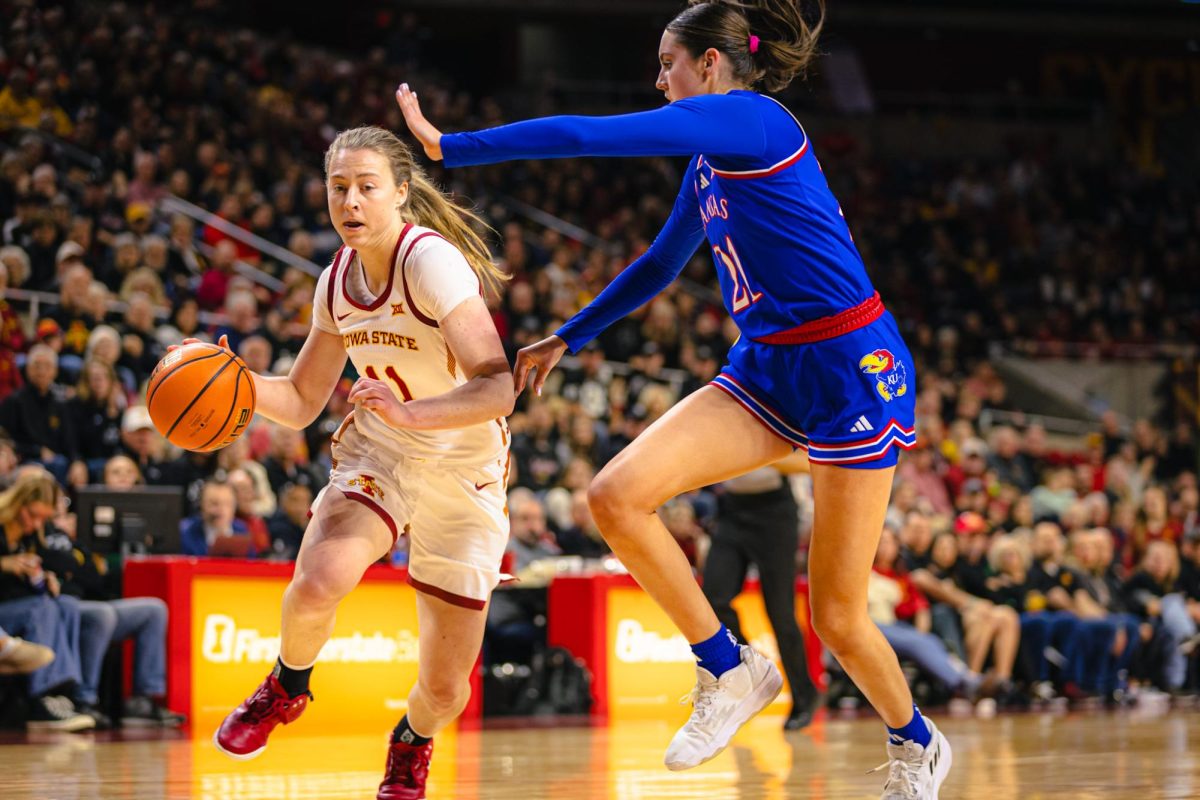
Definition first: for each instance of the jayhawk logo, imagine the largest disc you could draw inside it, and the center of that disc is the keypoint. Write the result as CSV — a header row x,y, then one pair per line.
x,y
890,380
368,486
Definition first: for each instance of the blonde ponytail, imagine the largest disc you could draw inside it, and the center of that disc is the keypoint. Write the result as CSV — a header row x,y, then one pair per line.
x,y
427,205
430,208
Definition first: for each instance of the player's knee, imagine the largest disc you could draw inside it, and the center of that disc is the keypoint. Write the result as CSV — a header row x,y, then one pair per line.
x,y
605,498
446,697
318,588
837,624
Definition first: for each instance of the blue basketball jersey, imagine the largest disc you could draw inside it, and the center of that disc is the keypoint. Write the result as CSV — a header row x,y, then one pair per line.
x,y
820,363
780,243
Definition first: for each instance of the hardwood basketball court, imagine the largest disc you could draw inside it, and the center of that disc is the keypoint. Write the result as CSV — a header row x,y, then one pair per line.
x,y
1132,754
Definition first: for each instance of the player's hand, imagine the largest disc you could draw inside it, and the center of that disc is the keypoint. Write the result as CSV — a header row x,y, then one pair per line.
x,y
222,343
429,136
540,356
375,396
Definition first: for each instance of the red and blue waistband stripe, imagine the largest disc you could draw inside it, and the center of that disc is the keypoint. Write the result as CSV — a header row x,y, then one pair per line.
x,y
865,449
768,416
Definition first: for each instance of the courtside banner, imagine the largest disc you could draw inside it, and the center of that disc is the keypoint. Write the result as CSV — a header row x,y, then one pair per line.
x,y
363,674
650,664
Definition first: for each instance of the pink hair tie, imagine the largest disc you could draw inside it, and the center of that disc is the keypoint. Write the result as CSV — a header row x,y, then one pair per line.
x,y
753,43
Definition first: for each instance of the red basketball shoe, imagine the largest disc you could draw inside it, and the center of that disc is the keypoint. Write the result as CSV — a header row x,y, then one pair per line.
x,y
407,771
243,734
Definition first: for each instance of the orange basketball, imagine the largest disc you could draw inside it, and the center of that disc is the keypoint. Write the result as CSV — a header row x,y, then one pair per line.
x,y
200,397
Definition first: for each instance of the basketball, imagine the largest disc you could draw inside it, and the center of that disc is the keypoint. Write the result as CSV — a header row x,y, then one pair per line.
x,y
200,397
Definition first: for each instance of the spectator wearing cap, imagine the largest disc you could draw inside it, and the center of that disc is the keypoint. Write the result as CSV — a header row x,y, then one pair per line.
x,y
38,420
69,254
48,333
142,443
96,411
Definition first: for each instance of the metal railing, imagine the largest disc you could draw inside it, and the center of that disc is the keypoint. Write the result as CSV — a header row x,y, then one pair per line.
x,y
174,204
36,300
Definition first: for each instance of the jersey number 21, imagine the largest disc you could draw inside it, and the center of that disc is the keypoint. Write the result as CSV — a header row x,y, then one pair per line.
x,y
743,295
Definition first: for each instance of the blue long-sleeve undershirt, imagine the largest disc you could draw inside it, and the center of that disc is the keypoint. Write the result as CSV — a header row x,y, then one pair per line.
x,y
646,276
728,125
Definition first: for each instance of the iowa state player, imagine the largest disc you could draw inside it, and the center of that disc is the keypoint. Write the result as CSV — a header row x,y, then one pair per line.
x,y
820,364
425,450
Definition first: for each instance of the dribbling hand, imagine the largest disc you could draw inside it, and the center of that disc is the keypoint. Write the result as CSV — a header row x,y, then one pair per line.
x,y
375,396
222,343
429,136
541,356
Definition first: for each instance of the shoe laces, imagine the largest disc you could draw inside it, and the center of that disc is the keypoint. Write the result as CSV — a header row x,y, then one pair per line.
x,y
263,703
703,700
404,764
904,771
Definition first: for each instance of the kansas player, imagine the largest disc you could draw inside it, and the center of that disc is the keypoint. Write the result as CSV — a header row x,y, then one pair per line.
x,y
424,452
820,366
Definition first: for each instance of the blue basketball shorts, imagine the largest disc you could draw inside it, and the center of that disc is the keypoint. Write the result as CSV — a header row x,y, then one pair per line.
x,y
849,400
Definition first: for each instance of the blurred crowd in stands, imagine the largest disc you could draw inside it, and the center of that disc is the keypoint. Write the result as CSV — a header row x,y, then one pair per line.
x,y
1017,559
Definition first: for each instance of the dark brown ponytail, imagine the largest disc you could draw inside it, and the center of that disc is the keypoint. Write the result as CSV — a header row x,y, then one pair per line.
x,y
785,43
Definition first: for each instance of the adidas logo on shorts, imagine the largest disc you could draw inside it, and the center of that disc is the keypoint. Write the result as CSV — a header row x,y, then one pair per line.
x,y
862,425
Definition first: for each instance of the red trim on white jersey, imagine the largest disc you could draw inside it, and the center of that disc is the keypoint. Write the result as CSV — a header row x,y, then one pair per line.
x,y
404,278
333,281
450,597
378,509
387,290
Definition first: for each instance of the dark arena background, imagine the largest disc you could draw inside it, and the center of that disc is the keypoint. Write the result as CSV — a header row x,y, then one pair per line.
x,y
1021,180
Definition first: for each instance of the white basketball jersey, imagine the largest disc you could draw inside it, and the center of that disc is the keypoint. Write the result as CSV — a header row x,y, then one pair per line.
x,y
395,338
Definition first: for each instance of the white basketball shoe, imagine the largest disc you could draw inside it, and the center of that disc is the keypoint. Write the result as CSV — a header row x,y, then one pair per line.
x,y
916,772
722,705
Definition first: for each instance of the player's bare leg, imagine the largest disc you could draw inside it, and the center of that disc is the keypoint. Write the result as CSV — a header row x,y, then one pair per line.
x,y
705,439
849,506
338,547
343,539
450,638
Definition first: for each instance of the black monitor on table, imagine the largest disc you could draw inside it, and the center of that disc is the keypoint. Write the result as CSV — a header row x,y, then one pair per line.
x,y
143,520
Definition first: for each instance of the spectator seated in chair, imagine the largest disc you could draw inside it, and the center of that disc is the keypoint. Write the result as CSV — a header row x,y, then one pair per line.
x,y
215,530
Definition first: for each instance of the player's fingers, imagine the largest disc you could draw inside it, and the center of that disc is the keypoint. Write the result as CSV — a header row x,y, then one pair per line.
x,y
521,372
223,343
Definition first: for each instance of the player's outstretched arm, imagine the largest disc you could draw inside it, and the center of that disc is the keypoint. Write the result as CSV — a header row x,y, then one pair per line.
x,y
714,124
487,394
